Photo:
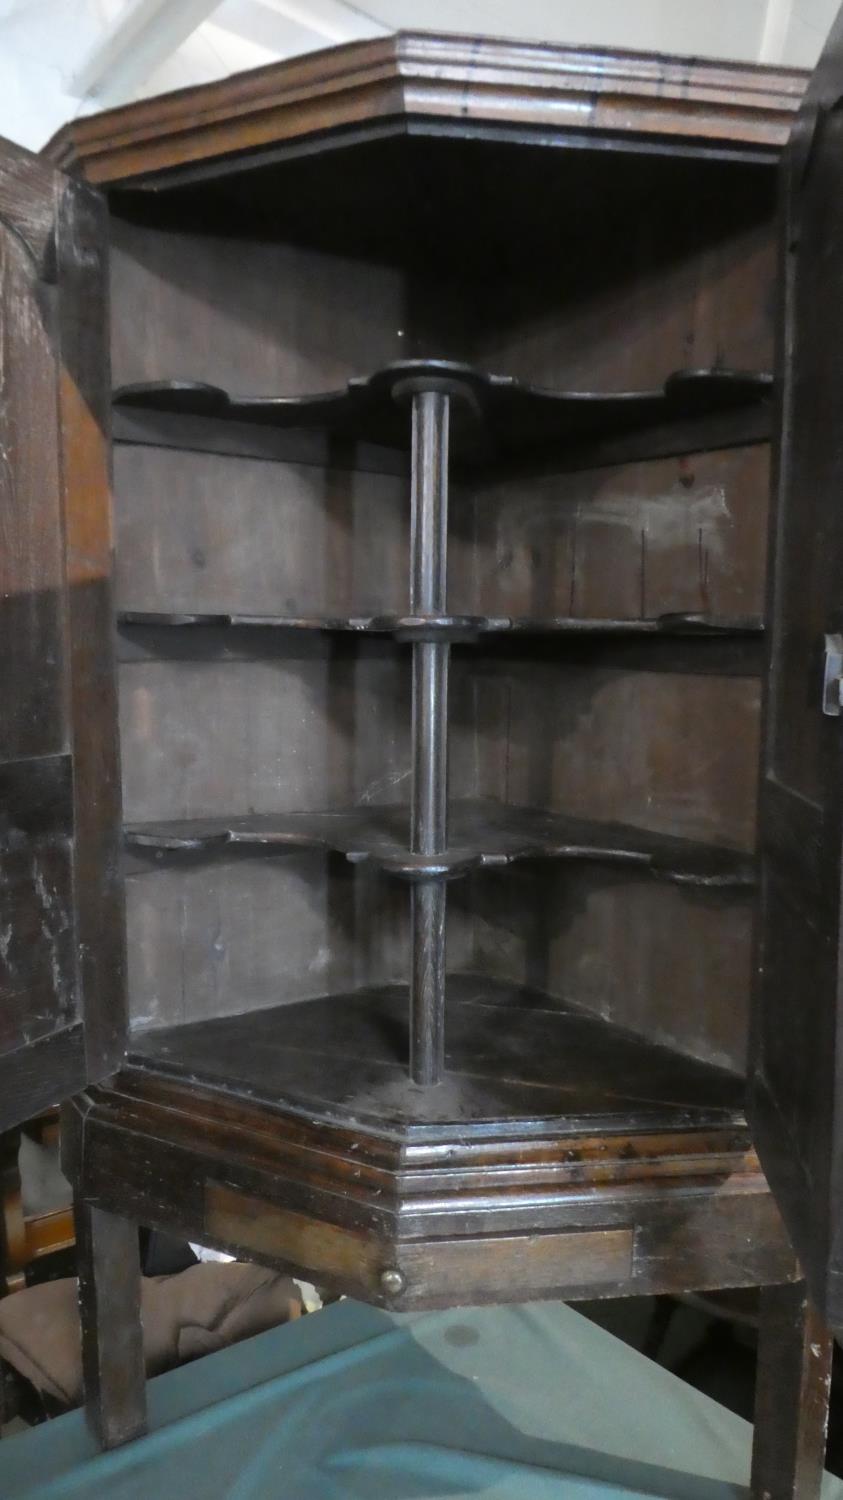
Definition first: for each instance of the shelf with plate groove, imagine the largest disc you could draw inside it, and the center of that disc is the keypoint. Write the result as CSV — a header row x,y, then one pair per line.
x,y
454,627
482,834
496,419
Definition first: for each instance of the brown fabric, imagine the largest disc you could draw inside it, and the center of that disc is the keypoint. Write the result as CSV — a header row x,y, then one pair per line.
x,y
184,1316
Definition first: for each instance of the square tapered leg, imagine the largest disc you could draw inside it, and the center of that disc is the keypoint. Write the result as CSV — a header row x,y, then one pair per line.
x,y
791,1397
112,1334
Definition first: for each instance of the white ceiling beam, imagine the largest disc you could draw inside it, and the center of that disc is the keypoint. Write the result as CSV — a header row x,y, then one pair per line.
x,y
142,37
333,20
774,31
239,52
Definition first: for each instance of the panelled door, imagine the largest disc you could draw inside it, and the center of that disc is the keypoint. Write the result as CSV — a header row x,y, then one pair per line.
x,y
62,1018
796,1050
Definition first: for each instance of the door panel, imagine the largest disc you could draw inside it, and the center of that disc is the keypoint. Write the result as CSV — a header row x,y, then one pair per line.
x,y
61,922
795,1099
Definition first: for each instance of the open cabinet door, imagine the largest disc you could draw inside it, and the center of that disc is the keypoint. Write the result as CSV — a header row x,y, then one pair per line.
x,y
796,1050
61,919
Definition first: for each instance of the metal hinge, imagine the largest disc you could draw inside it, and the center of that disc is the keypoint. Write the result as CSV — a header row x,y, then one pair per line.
x,y
833,676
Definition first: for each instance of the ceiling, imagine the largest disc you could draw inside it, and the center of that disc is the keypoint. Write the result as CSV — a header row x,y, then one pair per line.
x,y
151,45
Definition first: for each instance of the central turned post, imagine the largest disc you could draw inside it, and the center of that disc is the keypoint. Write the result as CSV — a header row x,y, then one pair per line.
x,y
429,812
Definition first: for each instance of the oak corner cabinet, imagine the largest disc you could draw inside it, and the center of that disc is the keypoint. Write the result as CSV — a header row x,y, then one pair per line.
x,y
422,847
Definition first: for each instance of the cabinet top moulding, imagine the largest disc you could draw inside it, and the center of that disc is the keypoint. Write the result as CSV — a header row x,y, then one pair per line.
x,y
412,80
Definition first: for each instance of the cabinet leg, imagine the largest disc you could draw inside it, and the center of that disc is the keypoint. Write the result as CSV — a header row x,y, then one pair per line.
x,y
791,1397
112,1336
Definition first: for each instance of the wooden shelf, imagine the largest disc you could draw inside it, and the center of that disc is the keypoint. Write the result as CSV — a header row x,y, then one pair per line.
x,y
454,627
402,627
495,418
482,834
511,1053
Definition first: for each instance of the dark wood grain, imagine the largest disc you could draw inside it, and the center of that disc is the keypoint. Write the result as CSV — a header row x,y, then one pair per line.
x,y
29,189
61,997
113,1369
33,649
83,406
794,1092
791,1398
42,1072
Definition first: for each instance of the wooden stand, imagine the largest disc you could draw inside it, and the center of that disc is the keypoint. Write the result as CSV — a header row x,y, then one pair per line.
x,y
792,1382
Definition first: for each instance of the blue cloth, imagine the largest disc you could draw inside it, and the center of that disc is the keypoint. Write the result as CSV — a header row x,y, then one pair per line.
x,y
508,1403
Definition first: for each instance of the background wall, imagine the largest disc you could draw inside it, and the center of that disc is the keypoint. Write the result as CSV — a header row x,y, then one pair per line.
x,y
61,58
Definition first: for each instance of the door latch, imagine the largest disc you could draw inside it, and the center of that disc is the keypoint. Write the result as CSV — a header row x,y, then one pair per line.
x,y
833,676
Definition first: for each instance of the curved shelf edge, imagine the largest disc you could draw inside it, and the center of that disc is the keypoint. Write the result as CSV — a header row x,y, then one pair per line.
x,y
457,627
510,416
483,835
403,627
